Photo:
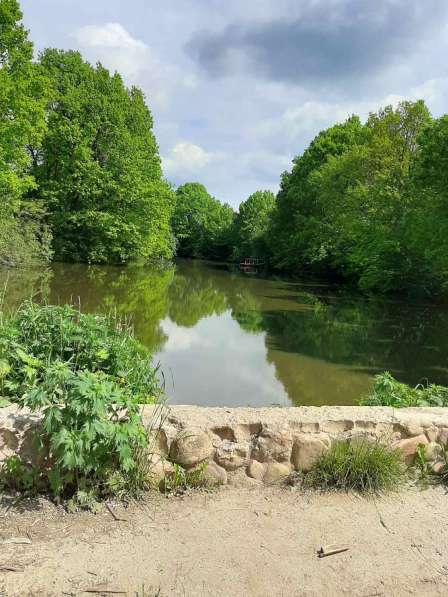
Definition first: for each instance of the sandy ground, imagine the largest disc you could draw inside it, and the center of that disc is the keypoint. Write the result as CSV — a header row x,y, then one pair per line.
x,y
236,542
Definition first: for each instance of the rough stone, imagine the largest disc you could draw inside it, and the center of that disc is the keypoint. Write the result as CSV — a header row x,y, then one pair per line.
x,y
160,468
432,433
231,455
193,434
276,472
191,447
215,474
273,445
307,450
443,436
433,452
438,467
408,447
9,443
256,470
240,480
158,442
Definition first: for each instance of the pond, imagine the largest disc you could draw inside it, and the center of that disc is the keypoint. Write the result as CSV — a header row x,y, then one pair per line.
x,y
228,338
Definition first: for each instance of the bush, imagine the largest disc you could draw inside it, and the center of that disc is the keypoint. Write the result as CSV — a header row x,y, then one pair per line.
x,y
88,376
38,336
24,243
357,465
387,391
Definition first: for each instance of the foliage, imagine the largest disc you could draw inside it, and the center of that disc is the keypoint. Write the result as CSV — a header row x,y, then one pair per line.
x,y
357,465
252,224
201,224
99,170
23,93
93,426
24,242
367,203
298,218
88,376
387,391
182,480
38,336
17,476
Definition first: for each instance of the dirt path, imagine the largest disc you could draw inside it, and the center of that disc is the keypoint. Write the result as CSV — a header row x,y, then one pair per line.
x,y
233,543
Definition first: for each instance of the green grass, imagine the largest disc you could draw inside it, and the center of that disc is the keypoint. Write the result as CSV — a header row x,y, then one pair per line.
x,y
357,465
181,480
387,391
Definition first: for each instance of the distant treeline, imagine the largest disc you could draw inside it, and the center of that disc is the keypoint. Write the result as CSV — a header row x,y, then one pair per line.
x,y
366,203
81,180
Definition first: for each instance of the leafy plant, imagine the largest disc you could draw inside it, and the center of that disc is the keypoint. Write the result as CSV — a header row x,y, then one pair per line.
x,y
88,376
16,475
387,391
182,480
37,336
357,465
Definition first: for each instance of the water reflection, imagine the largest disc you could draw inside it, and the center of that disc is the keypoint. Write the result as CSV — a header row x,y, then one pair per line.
x,y
224,338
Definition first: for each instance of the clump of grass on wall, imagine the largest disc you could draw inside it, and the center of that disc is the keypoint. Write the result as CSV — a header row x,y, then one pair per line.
x,y
88,376
387,391
357,465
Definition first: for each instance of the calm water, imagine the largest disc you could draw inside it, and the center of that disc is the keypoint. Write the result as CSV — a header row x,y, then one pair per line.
x,y
232,339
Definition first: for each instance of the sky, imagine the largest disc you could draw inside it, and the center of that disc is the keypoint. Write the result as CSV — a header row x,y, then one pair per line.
x,y
238,88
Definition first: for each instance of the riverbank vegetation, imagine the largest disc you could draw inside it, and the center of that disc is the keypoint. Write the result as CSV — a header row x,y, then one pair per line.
x,y
81,180
88,377
387,391
359,465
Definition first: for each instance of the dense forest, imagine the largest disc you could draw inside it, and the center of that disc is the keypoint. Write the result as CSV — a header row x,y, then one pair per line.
x,y
81,180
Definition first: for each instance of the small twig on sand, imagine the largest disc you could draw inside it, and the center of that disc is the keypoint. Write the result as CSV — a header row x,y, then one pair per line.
x,y
332,550
114,516
9,568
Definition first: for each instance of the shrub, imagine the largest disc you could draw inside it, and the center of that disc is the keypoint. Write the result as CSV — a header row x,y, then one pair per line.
x,y
387,391
93,427
88,376
357,465
38,336
24,243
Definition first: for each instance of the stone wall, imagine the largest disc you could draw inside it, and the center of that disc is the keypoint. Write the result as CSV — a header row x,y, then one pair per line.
x,y
250,446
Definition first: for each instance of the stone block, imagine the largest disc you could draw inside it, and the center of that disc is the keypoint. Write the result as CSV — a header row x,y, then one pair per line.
x,y
307,450
191,447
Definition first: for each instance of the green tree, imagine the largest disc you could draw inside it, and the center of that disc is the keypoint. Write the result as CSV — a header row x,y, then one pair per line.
x,y
365,197
201,224
426,225
298,216
23,93
99,170
252,224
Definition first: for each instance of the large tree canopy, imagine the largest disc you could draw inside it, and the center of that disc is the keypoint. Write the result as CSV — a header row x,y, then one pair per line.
x,y
252,224
201,224
298,216
99,169
362,200
23,94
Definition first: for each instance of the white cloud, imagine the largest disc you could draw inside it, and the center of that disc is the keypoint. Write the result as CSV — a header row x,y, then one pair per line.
x,y
115,47
186,158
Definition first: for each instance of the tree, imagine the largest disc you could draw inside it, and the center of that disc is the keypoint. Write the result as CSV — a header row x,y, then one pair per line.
x,y
99,169
365,194
201,224
252,224
298,216
23,94
426,225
